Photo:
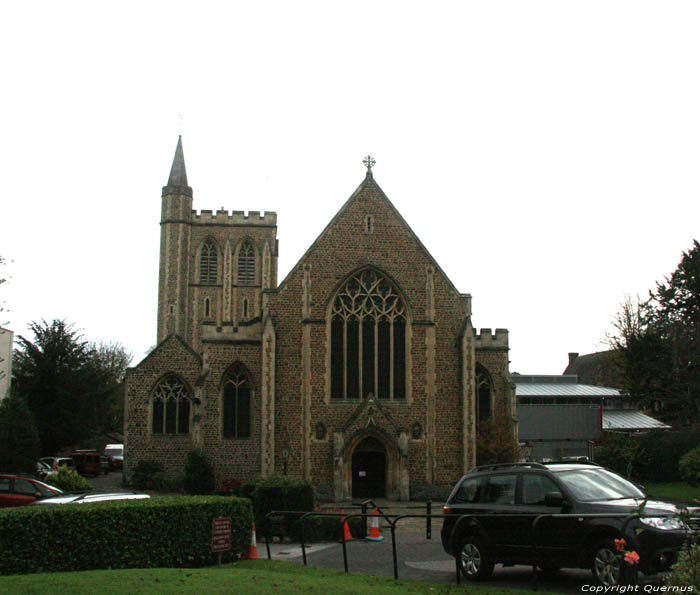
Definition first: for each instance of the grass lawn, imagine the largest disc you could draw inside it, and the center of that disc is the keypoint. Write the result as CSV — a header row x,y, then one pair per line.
x,y
674,491
247,576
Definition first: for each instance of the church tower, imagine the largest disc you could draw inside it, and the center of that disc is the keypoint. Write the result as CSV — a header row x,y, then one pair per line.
x,y
176,213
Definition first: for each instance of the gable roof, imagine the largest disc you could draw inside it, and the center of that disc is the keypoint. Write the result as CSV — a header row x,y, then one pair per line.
x,y
179,340
366,184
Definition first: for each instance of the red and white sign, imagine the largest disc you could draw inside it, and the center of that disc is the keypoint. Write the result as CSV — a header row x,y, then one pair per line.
x,y
221,534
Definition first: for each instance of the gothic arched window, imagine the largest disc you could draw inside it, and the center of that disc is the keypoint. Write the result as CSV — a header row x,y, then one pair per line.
x,y
171,407
246,264
483,395
236,407
208,263
368,339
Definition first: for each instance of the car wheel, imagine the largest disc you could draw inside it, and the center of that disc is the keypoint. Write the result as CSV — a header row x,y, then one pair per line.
x,y
474,561
607,566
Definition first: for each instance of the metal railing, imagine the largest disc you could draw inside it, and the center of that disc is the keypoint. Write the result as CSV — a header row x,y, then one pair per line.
x,y
462,519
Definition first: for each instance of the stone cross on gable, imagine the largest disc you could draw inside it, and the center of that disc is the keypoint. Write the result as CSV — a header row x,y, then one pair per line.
x,y
369,161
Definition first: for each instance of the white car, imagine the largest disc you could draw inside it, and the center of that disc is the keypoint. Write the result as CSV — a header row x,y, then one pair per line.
x,y
87,498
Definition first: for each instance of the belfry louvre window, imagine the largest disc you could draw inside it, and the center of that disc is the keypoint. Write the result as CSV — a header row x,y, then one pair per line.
x,y
171,407
207,263
368,339
237,393
246,264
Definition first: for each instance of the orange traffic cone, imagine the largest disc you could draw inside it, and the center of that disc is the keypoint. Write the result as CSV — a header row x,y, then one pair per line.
x,y
346,527
252,553
374,528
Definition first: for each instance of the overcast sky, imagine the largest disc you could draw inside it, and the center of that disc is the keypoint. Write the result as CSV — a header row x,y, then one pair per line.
x,y
546,153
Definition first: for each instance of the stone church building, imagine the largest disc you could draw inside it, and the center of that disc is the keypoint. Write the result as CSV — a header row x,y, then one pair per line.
x,y
360,371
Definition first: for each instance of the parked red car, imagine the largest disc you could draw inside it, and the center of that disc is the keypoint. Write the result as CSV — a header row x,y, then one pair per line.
x,y
20,490
87,462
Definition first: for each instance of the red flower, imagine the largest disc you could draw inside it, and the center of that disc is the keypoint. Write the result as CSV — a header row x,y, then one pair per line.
x,y
620,544
631,557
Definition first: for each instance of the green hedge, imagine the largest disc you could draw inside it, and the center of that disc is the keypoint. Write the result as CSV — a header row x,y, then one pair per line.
x,y
279,492
171,531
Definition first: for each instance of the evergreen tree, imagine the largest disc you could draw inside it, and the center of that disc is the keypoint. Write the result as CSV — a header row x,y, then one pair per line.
x,y
19,439
659,340
73,388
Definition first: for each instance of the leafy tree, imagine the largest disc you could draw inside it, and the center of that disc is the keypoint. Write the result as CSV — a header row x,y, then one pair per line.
x,y
659,340
495,442
72,387
19,439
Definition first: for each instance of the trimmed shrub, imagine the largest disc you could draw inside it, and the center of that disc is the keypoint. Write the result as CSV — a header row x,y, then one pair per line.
x,y
172,531
662,450
148,475
279,492
420,492
69,480
689,466
199,474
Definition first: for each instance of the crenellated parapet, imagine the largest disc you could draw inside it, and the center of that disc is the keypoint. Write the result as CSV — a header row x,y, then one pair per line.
x,y
223,217
485,340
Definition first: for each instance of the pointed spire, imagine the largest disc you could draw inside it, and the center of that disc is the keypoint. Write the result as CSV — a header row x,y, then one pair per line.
x,y
178,174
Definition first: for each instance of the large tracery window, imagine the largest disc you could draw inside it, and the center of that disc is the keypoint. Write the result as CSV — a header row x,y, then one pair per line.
x,y
368,339
171,407
483,395
246,264
208,263
237,398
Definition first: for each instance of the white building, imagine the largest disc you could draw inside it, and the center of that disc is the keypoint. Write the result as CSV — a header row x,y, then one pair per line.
x,y
6,337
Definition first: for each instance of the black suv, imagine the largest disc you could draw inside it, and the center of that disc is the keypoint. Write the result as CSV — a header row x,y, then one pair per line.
x,y
503,501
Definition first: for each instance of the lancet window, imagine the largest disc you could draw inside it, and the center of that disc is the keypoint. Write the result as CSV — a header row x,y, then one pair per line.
x,y
483,395
171,407
246,264
368,339
236,407
208,263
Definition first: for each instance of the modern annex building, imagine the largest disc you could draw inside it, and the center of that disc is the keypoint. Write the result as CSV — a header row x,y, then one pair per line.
x,y
360,372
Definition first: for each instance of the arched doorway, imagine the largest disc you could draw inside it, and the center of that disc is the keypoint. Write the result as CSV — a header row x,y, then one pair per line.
x,y
369,469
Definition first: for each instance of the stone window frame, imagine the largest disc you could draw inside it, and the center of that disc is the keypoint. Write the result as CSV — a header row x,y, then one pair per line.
x,y
241,371
208,262
406,313
171,388
246,264
483,382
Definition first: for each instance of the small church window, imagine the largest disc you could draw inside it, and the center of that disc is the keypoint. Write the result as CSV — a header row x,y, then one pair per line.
x,y
208,263
237,399
320,431
245,309
483,395
171,407
417,431
246,264
368,339
368,224
207,307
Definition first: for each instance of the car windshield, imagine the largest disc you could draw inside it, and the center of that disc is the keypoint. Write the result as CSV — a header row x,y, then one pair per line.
x,y
590,485
113,452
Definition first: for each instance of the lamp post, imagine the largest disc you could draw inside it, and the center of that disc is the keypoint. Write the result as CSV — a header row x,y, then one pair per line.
x,y
285,455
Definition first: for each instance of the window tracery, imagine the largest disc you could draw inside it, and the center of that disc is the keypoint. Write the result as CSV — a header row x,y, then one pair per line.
x,y
368,339
171,407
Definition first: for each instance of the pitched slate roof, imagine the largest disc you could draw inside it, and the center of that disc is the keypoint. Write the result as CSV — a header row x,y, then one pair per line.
x,y
558,386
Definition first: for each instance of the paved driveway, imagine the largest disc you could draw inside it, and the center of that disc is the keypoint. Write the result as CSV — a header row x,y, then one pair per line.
x,y
422,559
